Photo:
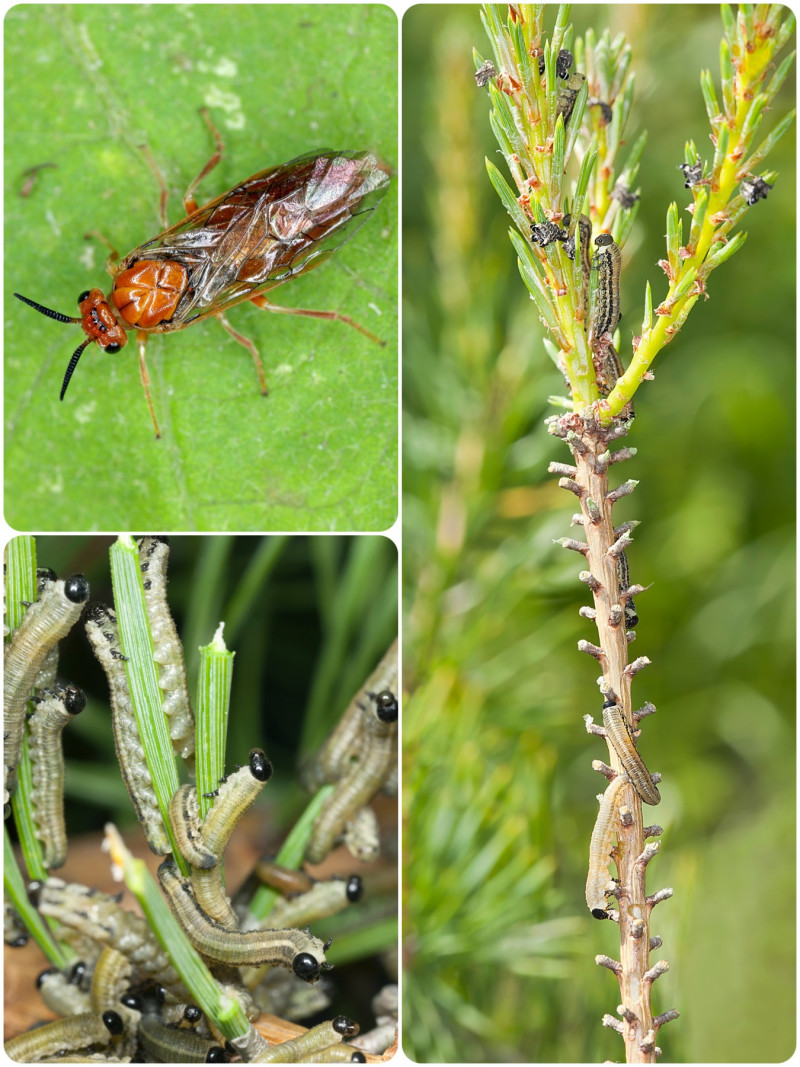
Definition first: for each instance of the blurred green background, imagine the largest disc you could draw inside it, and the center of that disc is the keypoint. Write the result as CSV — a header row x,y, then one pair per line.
x,y
84,88
308,618
498,789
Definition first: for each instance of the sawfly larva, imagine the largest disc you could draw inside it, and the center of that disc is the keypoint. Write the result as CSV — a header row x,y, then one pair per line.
x,y
64,1035
300,951
602,843
43,625
168,1044
624,581
313,1040
285,880
363,778
567,94
608,261
336,1054
342,745
585,232
100,916
621,737
362,835
184,815
101,629
321,901
237,793
61,994
52,711
167,649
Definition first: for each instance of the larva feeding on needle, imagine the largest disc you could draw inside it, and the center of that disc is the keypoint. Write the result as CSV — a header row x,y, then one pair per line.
x,y
605,829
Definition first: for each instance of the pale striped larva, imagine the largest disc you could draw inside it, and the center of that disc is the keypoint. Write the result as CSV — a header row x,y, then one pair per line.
x,y
169,1044
184,815
61,993
237,793
53,709
362,835
605,830
101,629
110,980
344,742
336,1054
313,1040
64,1035
43,625
167,648
619,734
363,778
319,902
608,261
101,917
300,951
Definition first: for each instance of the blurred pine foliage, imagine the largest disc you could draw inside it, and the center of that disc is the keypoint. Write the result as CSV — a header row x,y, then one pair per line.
x,y
498,791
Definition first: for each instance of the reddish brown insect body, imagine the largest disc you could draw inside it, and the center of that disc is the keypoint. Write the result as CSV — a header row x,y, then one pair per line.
x,y
276,225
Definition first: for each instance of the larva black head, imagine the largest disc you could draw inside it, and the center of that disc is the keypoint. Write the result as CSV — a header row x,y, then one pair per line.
x,y
344,1026
192,1013
216,1054
34,892
260,766
603,240
40,979
386,707
305,966
76,589
161,993
358,1057
74,700
355,888
77,972
112,1021
132,1001
599,913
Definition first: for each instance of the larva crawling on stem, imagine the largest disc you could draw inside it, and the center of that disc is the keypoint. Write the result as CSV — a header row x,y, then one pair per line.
x,y
52,711
605,829
167,648
606,312
621,738
321,901
300,951
101,629
43,625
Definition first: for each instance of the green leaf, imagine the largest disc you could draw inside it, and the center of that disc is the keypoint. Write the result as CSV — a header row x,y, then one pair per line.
x,y
320,452
505,193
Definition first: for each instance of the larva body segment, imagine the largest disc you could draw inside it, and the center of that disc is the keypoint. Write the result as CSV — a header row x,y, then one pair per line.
x,y
101,629
321,901
337,1054
101,917
52,711
167,649
167,1044
313,1040
110,979
621,738
63,1035
285,880
300,951
605,830
184,815
364,777
608,261
43,625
